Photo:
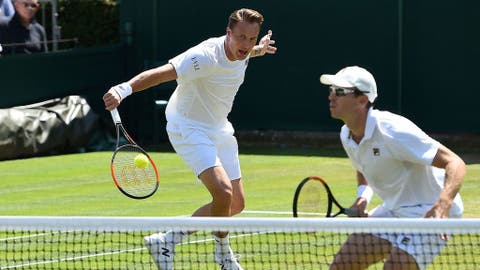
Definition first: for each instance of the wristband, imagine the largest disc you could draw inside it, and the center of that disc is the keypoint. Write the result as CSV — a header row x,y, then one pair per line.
x,y
123,90
365,191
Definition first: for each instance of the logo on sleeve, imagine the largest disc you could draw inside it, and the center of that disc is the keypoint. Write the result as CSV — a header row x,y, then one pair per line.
x,y
196,65
376,151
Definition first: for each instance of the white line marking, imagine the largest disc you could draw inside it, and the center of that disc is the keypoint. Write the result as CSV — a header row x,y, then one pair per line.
x,y
127,250
267,212
115,252
282,213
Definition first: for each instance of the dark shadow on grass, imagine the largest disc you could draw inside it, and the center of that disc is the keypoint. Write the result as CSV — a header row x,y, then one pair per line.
x,y
470,157
285,150
294,143
274,150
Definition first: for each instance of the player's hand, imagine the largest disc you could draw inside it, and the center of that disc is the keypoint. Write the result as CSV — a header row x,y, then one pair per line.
x,y
439,210
265,44
360,207
116,94
111,99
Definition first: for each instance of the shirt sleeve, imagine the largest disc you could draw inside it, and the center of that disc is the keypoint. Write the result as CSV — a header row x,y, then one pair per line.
x,y
408,142
193,64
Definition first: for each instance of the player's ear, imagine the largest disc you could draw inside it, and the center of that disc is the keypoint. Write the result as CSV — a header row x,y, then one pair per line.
x,y
364,99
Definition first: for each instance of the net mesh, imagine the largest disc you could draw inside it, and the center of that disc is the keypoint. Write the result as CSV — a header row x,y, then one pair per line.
x,y
261,243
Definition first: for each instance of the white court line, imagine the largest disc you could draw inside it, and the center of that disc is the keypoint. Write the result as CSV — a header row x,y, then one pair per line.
x,y
257,212
22,237
267,212
31,236
282,213
72,258
115,252
128,250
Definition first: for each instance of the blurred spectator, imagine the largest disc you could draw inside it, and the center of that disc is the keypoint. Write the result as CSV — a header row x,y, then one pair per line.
x,y
6,9
22,33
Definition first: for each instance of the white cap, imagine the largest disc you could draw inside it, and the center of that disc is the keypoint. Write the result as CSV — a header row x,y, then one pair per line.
x,y
353,76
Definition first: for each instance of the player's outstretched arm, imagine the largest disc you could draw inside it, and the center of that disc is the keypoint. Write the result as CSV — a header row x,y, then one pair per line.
x,y
264,46
138,83
153,77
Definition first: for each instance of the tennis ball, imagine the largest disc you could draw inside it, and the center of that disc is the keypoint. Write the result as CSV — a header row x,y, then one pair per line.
x,y
141,161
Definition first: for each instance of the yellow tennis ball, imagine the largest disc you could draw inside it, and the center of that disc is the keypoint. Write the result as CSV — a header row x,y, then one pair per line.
x,y
141,161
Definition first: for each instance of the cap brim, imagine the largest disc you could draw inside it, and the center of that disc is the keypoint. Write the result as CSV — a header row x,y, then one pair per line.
x,y
329,79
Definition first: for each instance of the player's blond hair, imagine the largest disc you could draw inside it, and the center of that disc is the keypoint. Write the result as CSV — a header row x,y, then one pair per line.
x,y
244,14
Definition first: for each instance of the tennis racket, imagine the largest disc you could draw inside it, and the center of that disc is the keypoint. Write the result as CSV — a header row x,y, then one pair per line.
x,y
313,198
133,170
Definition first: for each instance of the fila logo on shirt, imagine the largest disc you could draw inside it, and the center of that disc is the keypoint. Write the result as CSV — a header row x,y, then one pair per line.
x,y
196,65
376,151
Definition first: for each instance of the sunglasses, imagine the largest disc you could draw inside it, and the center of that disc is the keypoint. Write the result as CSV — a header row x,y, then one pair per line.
x,y
31,5
341,92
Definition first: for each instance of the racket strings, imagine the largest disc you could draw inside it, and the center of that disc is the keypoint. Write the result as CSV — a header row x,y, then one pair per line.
x,y
313,200
132,179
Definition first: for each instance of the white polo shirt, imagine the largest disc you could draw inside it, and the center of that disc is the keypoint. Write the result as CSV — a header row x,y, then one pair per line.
x,y
395,156
207,85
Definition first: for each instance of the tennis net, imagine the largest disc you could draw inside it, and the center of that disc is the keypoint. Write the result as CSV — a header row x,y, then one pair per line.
x,y
262,243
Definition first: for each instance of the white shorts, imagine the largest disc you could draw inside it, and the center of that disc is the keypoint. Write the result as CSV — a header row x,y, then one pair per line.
x,y
424,248
203,148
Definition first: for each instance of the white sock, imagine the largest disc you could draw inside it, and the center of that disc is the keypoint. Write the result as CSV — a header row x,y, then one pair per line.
x,y
175,237
223,244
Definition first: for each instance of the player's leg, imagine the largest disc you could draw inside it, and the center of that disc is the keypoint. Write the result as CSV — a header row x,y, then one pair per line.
x,y
218,167
360,251
220,187
238,202
414,251
195,148
215,179
227,152
222,191
400,260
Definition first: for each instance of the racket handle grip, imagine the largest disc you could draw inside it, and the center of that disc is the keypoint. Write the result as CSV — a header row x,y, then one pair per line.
x,y
115,116
352,212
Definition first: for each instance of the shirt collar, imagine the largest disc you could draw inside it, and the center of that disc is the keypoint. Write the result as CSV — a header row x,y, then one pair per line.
x,y
370,124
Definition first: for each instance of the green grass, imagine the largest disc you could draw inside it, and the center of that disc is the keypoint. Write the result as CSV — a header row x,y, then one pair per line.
x,y
80,185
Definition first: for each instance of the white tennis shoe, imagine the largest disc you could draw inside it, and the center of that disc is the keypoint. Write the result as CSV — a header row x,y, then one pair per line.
x,y
161,251
227,261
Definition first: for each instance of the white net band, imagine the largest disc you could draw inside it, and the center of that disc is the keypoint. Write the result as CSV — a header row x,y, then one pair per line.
x,y
262,243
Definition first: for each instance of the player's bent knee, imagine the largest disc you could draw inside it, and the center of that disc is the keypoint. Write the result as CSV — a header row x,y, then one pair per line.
x,y
224,196
237,207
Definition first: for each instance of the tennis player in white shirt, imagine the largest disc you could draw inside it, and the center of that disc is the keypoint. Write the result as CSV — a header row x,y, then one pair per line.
x,y
412,173
208,76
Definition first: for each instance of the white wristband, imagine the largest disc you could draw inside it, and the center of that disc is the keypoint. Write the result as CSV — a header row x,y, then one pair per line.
x,y
123,90
365,191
